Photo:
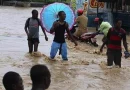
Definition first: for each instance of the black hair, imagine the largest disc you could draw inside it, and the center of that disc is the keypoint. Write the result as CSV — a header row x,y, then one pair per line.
x,y
38,72
101,19
9,79
117,19
60,12
34,10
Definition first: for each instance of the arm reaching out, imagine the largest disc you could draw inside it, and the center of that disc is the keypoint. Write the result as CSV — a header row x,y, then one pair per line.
x,y
70,35
106,42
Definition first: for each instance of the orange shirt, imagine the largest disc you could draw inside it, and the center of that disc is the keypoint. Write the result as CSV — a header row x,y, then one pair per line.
x,y
82,22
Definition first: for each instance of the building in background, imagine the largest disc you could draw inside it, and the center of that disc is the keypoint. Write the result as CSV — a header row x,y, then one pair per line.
x,y
109,10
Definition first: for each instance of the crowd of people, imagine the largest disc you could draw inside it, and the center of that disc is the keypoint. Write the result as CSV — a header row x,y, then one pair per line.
x,y
40,74
112,35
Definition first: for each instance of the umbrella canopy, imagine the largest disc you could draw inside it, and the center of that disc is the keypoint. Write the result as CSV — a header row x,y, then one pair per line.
x,y
49,15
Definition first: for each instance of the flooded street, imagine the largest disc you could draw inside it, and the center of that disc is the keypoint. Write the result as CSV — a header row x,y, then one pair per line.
x,y
85,69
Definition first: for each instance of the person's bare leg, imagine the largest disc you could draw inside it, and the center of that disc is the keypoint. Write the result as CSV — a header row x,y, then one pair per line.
x,y
36,46
30,46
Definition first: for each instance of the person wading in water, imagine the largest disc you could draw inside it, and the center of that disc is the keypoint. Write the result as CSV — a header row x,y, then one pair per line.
x,y
59,27
32,30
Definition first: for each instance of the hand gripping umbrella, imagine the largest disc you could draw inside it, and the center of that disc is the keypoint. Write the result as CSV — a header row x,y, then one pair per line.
x,y
49,15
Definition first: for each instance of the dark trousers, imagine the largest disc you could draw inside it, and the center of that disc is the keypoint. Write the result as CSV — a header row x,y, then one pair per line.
x,y
114,56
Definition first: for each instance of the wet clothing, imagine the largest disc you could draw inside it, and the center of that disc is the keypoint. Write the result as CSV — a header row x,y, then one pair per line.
x,y
115,37
59,33
114,56
33,27
33,40
82,22
55,47
59,42
104,28
114,46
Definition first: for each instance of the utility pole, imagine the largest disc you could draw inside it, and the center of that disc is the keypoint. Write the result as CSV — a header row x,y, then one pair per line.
x,y
97,15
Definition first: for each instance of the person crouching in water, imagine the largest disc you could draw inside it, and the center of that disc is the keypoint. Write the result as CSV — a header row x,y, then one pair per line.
x,y
59,27
114,37
81,22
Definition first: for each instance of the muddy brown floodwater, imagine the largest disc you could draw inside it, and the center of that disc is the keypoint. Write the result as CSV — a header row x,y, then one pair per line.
x,y
85,69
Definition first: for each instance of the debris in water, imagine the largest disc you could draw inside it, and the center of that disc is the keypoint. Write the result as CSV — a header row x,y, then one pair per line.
x,y
80,62
93,62
37,54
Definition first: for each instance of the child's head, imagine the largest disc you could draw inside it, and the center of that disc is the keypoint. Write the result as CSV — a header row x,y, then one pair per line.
x,y
13,81
61,15
34,13
40,74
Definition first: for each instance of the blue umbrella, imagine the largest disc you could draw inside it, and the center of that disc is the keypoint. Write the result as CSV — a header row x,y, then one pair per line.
x,y
49,15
